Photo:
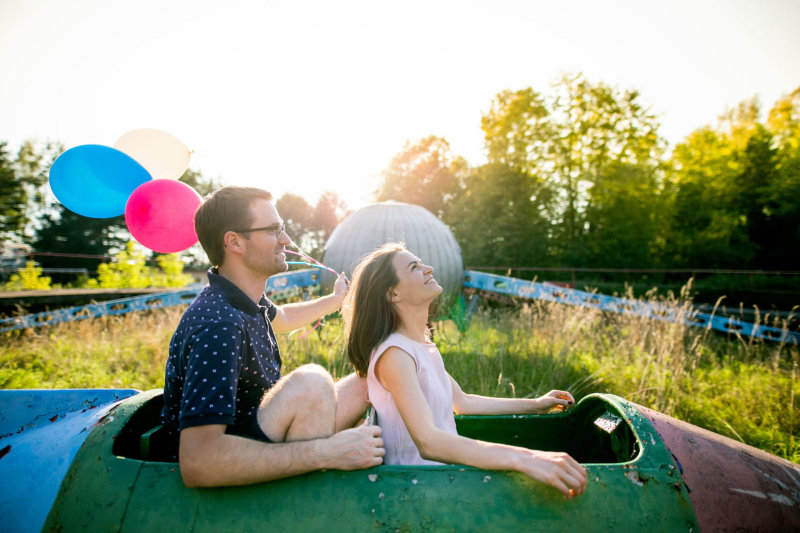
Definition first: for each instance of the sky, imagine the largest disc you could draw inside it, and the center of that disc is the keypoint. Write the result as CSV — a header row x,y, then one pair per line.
x,y
313,96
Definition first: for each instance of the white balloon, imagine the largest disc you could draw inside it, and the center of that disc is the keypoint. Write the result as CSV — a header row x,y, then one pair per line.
x,y
161,154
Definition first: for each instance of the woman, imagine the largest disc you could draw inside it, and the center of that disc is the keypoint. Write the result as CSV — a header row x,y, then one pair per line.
x,y
386,324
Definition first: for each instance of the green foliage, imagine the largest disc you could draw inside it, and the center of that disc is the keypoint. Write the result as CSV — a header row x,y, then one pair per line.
x,y
64,232
28,278
500,217
12,196
310,227
117,351
577,140
22,193
425,174
129,271
732,194
202,185
740,388
578,176
171,272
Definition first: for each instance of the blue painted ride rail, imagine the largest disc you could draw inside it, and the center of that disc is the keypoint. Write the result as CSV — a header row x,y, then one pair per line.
x,y
284,285
278,287
552,293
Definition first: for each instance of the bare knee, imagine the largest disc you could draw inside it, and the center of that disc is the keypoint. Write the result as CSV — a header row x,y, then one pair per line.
x,y
301,406
312,384
313,376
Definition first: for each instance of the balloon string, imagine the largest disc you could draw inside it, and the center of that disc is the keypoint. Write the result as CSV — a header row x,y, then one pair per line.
x,y
307,333
323,267
302,254
314,262
310,261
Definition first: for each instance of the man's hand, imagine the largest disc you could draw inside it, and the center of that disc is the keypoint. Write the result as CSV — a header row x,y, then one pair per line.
x,y
353,449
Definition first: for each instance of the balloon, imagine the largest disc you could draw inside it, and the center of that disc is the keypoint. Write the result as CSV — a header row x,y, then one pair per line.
x,y
164,156
160,215
95,181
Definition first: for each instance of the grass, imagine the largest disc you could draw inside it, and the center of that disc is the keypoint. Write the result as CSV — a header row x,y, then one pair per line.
x,y
738,387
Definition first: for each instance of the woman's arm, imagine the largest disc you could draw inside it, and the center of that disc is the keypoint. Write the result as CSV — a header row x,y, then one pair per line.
x,y
396,371
472,404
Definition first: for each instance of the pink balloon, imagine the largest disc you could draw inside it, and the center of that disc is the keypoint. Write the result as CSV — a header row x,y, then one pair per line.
x,y
160,215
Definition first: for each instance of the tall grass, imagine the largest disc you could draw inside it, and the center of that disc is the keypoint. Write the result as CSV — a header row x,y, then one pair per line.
x,y
738,387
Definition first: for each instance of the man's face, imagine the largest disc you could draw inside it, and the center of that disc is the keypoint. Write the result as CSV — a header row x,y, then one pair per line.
x,y
265,250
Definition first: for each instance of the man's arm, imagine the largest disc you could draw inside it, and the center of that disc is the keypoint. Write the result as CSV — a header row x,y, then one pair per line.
x,y
209,457
290,317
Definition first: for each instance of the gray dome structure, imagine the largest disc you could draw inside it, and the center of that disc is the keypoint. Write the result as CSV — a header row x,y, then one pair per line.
x,y
424,235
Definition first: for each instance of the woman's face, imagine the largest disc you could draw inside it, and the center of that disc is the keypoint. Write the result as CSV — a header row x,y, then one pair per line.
x,y
416,283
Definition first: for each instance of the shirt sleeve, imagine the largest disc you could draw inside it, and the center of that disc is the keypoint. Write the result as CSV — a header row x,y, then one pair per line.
x,y
212,374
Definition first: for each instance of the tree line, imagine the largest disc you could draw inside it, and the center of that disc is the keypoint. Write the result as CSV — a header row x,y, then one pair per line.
x,y
580,177
577,176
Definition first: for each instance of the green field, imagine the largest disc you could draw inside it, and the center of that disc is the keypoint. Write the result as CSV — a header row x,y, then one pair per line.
x,y
741,388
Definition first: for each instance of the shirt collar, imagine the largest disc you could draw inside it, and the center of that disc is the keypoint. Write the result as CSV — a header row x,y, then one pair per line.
x,y
235,295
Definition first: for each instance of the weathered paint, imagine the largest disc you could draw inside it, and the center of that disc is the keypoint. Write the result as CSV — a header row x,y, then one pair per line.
x,y
633,484
733,487
40,433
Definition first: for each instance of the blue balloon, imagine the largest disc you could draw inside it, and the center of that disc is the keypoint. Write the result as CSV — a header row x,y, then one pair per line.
x,y
95,181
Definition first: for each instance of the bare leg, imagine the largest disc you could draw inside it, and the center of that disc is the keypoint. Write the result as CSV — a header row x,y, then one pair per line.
x,y
301,406
351,401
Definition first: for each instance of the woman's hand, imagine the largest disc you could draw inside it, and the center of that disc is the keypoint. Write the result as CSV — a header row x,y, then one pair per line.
x,y
556,469
555,400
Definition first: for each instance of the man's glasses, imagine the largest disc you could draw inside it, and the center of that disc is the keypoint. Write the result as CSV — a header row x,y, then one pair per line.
x,y
275,229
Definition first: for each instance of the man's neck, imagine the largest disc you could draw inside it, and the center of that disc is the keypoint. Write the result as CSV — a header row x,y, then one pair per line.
x,y
252,286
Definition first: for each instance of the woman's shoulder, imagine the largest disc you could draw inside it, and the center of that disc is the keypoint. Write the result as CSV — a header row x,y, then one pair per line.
x,y
399,340
395,341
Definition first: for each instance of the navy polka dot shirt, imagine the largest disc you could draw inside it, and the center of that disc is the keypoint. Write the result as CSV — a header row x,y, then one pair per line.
x,y
223,357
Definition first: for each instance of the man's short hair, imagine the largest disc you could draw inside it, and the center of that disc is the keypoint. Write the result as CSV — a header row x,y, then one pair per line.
x,y
226,209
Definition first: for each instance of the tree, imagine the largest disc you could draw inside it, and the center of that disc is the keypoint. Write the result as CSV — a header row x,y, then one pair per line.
x,y
569,140
308,227
624,217
23,195
753,187
706,229
195,179
195,257
734,191
500,218
424,174
70,234
13,198
329,211
298,215
782,197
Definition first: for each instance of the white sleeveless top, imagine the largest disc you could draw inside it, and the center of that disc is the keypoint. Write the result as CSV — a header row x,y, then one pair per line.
x,y
438,391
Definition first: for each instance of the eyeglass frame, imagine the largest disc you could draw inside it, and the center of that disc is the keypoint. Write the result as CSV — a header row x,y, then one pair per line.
x,y
275,229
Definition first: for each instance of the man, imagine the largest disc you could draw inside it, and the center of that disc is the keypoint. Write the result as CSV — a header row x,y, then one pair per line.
x,y
238,420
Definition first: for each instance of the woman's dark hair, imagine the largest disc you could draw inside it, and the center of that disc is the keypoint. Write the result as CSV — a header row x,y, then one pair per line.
x,y
369,316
